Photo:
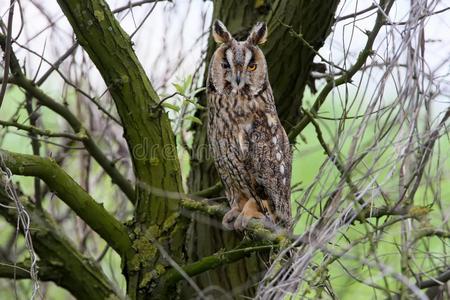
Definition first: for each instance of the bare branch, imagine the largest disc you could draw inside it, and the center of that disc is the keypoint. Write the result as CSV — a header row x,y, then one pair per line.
x,y
440,279
47,133
347,76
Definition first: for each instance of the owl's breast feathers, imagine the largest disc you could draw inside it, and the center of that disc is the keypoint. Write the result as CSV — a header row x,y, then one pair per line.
x,y
251,150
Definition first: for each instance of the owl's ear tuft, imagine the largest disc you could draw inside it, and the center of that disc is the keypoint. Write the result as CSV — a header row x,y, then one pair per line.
x,y
220,33
258,35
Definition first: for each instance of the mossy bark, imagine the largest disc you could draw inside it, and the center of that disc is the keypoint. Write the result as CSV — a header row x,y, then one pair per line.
x,y
64,265
289,62
150,140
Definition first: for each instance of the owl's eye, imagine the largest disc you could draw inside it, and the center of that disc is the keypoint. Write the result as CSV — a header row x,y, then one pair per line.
x,y
251,67
225,65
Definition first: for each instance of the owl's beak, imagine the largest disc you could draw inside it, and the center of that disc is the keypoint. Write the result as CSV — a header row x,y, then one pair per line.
x,y
238,78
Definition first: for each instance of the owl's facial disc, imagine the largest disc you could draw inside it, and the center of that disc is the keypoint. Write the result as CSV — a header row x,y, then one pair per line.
x,y
239,64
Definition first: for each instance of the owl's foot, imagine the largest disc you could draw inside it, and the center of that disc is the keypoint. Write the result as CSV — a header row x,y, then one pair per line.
x,y
250,211
230,217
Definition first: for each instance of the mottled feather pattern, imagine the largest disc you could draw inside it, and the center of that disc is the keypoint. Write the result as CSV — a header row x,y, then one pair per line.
x,y
250,148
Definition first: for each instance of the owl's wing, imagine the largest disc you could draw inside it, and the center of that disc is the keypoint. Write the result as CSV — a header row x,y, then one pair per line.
x,y
269,164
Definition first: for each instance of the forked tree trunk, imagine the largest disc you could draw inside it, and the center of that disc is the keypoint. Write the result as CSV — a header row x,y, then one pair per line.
x,y
289,62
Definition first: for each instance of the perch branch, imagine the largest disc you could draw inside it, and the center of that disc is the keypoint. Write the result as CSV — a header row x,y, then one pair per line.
x,y
93,213
60,261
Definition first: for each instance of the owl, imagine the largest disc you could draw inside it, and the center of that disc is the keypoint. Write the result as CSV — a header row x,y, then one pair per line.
x,y
250,148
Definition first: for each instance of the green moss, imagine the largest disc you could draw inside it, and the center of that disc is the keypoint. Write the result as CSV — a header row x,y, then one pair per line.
x,y
170,221
152,275
124,79
146,279
153,232
99,15
134,263
160,269
145,253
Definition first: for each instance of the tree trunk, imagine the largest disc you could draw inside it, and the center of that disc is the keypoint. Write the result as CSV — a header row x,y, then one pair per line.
x,y
289,62
150,141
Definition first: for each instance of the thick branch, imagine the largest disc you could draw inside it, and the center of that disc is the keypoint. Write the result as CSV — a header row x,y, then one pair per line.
x,y
21,271
256,228
59,259
268,233
94,214
212,190
170,278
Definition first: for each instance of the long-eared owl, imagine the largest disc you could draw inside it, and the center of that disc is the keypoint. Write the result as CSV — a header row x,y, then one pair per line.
x,y
250,147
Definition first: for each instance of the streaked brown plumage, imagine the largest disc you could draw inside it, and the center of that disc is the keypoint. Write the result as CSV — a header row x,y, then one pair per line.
x,y
249,145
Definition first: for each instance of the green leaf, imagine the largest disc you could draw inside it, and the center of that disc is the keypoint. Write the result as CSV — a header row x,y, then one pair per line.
x,y
187,82
194,120
179,88
199,106
171,106
197,91
187,101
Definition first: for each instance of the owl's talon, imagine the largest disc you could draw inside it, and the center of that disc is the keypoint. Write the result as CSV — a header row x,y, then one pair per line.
x,y
249,211
241,222
230,217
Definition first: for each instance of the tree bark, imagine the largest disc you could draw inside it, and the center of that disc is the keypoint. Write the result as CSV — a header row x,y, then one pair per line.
x,y
289,62
150,141
63,264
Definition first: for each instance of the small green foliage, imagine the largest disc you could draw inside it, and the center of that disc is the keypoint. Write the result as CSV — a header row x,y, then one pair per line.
x,y
171,106
194,120
184,86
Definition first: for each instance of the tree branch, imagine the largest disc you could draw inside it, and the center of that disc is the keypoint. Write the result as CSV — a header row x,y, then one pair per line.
x,y
38,131
438,280
93,213
110,49
266,232
171,277
20,271
348,75
59,259
212,190
90,145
